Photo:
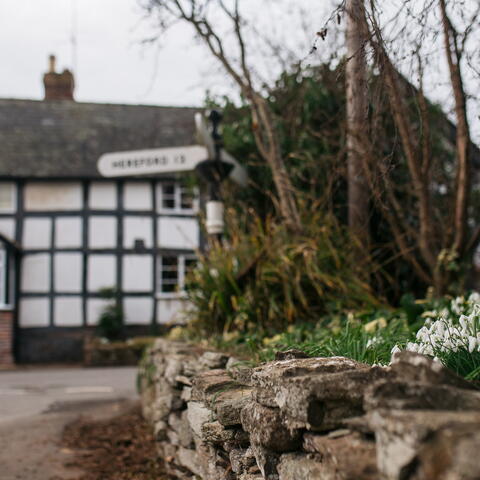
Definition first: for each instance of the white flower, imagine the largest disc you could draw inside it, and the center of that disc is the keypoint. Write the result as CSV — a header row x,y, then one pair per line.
x,y
395,349
474,298
214,273
444,332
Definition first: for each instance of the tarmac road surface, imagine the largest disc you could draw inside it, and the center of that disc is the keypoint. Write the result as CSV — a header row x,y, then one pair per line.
x,y
35,405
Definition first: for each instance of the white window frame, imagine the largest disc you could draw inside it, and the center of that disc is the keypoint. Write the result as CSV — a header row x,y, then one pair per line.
x,y
177,199
13,197
181,272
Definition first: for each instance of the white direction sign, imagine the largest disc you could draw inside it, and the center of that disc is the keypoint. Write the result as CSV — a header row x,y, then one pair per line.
x,y
151,161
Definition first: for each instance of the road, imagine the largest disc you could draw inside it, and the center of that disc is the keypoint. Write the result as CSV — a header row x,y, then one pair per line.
x,y
36,404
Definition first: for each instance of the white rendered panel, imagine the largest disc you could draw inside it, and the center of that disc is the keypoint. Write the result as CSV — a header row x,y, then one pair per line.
x,y
137,273
102,232
178,233
67,312
68,232
137,196
95,307
68,272
140,228
34,312
41,196
8,197
35,273
7,228
138,310
168,310
102,272
37,233
102,196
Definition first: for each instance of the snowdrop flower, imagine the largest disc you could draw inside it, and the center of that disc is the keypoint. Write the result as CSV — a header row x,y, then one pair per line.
x,y
444,332
395,349
474,298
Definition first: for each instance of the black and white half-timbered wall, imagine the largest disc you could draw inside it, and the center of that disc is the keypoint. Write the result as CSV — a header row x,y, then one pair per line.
x,y
66,233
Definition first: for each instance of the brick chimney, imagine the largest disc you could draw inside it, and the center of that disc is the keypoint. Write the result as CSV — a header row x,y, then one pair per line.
x,y
58,86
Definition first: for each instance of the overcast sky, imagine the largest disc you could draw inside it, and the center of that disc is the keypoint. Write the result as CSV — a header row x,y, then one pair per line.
x,y
111,64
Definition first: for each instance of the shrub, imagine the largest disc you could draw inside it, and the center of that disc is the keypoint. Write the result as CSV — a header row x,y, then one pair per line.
x,y
265,278
110,322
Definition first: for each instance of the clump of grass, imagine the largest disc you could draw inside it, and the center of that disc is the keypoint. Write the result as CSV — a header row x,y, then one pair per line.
x,y
370,342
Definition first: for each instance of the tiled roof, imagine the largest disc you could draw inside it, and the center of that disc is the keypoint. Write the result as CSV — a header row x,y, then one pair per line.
x,y
61,138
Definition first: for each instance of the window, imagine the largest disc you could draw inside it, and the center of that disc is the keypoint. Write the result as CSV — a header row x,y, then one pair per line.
x,y
172,270
7,197
177,198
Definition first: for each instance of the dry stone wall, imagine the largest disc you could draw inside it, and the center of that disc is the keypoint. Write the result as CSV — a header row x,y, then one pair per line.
x,y
309,418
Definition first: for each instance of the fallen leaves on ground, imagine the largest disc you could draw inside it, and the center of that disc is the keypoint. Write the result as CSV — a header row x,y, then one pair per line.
x,y
122,448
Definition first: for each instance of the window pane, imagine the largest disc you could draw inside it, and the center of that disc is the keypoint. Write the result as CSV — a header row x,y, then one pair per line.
x,y
168,202
168,195
169,274
168,188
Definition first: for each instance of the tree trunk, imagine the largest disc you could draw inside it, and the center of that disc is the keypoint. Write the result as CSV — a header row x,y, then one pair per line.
x,y
357,121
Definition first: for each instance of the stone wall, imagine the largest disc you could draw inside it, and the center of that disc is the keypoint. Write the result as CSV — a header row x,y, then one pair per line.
x,y
6,337
302,418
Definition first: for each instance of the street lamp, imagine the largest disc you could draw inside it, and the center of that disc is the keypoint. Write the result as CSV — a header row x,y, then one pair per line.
x,y
214,171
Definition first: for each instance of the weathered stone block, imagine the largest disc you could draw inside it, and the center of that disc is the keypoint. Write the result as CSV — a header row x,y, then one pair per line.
x,y
242,459
174,368
173,437
178,421
413,367
272,373
401,433
420,396
267,428
186,394
216,433
296,466
210,383
197,415
229,404
267,461
213,360
160,430
323,402
449,454
189,459
265,397
345,455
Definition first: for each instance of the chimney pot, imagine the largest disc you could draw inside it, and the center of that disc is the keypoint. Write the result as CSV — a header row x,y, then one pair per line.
x,y
58,86
51,64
